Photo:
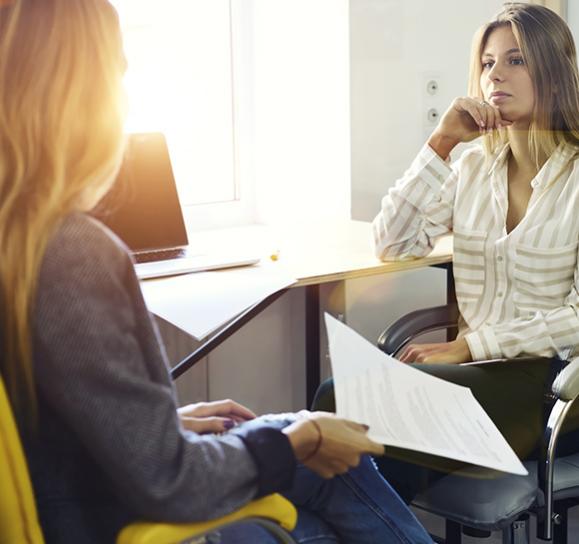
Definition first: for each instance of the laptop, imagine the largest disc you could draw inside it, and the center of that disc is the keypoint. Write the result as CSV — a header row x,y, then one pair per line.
x,y
143,209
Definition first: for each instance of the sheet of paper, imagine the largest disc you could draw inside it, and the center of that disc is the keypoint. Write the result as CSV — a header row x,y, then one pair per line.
x,y
410,409
202,302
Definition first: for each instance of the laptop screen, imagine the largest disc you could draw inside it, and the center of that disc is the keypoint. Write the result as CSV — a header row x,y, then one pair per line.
x,y
143,206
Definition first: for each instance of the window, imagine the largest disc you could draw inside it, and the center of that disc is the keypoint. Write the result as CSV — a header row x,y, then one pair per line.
x,y
253,96
180,82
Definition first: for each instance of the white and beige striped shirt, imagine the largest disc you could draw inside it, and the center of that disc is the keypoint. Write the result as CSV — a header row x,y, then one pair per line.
x,y
518,292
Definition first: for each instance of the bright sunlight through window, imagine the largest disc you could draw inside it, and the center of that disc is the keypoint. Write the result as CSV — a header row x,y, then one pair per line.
x,y
179,82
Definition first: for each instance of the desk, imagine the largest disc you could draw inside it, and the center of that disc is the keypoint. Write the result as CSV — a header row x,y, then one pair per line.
x,y
314,254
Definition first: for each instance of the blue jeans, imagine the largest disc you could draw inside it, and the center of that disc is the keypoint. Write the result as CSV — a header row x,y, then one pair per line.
x,y
358,507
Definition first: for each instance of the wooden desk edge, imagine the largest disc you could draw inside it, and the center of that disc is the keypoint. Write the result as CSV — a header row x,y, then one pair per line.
x,y
383,268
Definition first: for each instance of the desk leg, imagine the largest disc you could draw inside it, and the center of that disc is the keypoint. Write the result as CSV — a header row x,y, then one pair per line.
x,y
312,342
450,292
450,299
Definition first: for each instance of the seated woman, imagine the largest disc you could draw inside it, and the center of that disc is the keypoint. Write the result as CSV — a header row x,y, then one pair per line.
x,y
511,204
85,370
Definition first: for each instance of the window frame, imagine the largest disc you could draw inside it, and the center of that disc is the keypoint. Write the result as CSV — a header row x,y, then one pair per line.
x,y
240,210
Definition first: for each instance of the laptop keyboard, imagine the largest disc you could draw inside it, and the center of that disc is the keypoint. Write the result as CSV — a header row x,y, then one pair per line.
x,y
162,255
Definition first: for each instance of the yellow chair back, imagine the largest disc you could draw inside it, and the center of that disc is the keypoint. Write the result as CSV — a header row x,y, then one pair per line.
x,y
18,516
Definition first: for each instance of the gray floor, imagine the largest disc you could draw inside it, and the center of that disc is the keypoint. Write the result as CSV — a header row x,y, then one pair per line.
x,y
435,526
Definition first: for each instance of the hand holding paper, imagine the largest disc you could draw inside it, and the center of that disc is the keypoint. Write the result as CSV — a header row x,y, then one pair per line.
x,y
335,445
407,408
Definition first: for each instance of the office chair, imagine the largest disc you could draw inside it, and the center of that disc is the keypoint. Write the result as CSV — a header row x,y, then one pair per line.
x,y
19,520
476,507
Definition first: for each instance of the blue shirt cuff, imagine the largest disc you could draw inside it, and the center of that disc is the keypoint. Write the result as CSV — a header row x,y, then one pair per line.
x,y
272,453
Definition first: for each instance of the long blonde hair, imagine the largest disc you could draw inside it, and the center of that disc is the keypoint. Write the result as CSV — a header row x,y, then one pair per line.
x,y
549,52
61,134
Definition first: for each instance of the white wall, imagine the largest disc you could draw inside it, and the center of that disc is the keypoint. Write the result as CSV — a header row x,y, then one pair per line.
x,y
572,9
301,104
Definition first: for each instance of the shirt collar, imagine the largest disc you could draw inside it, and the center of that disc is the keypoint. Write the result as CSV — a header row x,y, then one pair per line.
x,y
500,158
554,165
563,153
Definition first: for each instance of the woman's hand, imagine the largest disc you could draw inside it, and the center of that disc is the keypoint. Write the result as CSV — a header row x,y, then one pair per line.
x,y
444,353
329,445
465,119
213,417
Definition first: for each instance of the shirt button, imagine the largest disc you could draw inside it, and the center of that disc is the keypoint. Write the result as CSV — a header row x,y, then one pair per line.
x,y
500,294
500,258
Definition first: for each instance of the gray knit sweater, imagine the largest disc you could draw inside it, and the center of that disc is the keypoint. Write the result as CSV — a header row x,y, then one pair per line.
x,y
110,448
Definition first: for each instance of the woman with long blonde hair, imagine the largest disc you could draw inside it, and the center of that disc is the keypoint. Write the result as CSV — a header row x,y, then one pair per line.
x,y
61,140
81,358
511,204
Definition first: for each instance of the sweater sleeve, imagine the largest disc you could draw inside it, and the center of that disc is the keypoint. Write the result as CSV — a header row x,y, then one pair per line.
x,y
100,367
417,210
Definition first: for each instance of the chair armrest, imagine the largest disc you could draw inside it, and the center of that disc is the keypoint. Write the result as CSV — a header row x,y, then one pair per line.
x,y
403,330
273,507
566,384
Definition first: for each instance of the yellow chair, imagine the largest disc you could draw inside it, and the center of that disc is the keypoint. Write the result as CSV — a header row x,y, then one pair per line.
x,y
19,519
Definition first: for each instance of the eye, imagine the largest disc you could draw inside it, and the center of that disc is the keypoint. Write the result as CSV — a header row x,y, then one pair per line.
x,y
517,61
487,64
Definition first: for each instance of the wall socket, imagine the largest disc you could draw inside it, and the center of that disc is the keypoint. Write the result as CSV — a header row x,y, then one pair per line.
x,y
432,86
432,116
430,98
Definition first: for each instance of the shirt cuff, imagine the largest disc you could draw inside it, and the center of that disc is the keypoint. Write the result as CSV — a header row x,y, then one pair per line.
x,y
432,156
272,453
430,170
483,344
428,157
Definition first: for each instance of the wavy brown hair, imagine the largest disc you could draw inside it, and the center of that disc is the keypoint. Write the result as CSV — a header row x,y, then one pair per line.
x,y
61,134
548,49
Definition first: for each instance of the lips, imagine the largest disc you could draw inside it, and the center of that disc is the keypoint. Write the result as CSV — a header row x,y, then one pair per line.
x,y
498,97
499,94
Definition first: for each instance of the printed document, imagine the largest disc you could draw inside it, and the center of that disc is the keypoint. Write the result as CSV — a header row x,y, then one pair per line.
x,y
410,409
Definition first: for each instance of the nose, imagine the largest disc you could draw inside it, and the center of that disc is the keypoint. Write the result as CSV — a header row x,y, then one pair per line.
x,y
495,73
